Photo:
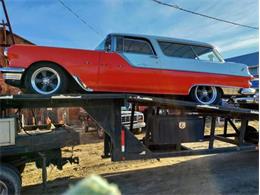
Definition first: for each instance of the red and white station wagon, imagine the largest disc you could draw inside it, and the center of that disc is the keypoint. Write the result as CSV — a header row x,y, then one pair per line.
x,y
129,64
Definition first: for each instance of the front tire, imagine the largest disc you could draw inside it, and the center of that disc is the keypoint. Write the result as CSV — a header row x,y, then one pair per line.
x,y
46,79
207,95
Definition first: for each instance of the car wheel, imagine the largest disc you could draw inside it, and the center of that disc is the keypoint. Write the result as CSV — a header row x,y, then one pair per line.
x,y
46,79
206,95
10,181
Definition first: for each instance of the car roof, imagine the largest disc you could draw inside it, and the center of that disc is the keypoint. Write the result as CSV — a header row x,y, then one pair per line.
x,y
161,38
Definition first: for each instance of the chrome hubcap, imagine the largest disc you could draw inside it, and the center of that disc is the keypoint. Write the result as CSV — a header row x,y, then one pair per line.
x,y
45,80
206,94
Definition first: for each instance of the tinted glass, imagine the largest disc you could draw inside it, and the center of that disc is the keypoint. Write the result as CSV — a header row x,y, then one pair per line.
x,y
188,51
177,50
137,46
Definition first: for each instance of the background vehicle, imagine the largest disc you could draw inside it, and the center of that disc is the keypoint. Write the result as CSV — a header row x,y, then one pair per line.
x,y
88,123
127,63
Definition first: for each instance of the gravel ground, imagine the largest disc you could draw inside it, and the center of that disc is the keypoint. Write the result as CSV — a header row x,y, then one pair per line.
x,y
230,173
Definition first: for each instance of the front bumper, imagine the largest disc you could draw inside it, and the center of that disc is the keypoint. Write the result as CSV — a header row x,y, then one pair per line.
x,y
136,125
12,76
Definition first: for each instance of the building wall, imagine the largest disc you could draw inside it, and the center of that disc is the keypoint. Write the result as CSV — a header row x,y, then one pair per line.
x,y
251,60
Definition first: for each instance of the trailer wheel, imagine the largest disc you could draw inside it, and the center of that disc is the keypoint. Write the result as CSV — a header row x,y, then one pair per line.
x,y
207,95
46,79
10,181
251,135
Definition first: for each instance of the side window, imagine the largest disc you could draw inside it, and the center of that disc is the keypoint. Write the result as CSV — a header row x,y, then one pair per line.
x,y
177,50
138,46
188,51
119,44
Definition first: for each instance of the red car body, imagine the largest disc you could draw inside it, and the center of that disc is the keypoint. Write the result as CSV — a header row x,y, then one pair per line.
x,y
109,72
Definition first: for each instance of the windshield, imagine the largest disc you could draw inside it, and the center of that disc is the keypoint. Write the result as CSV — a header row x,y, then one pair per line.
x,y
190,51
101,45
105,45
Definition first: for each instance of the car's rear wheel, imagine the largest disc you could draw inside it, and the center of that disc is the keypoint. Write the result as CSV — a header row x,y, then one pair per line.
x,y
206,95
46,79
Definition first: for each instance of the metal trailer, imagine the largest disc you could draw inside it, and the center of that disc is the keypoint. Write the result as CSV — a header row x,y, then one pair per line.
x,y
186,125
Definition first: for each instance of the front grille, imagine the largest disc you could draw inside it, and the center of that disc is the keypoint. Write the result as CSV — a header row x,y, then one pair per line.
x,y
127,119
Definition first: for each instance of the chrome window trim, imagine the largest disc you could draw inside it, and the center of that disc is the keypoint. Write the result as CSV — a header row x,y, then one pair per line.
x,y
12,70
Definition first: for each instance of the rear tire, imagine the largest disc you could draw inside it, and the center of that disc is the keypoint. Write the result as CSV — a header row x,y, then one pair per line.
x,y
207,95
46,79
10,181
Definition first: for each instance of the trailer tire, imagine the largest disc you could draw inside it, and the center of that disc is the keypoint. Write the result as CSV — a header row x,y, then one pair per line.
x,y
10,181
251,135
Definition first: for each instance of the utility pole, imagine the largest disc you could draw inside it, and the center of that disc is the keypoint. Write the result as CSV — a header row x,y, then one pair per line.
x,y
8,21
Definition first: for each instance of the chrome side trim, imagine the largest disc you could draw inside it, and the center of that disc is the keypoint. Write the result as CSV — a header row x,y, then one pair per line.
x,y
12,70
81,84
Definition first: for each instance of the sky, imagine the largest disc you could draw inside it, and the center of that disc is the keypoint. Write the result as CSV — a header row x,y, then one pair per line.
x,y
47,22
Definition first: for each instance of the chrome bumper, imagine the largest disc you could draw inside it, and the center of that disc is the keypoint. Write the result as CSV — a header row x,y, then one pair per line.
x,y
12,73
247,91
238,91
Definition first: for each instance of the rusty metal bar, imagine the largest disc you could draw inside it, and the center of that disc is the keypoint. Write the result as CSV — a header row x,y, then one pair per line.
x,y
8,21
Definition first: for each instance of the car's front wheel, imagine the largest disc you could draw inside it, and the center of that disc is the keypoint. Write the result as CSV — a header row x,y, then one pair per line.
x,y
207,95
46,79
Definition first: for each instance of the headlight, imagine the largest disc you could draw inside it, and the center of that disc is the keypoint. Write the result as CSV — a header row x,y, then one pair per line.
x,y
5,51
140,118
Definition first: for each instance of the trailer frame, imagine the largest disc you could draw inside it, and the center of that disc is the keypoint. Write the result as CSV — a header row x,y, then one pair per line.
x,y
119,142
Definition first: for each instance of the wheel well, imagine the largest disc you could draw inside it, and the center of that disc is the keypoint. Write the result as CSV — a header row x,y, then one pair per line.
x,y
73,83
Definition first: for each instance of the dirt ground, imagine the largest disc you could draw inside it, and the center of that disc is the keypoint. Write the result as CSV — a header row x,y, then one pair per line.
x,y
231,173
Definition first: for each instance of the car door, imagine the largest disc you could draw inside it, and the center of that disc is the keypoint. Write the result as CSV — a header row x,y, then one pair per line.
x,y
132,67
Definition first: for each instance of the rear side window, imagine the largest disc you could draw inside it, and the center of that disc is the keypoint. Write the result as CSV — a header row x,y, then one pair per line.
x,y
137,46
188,51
